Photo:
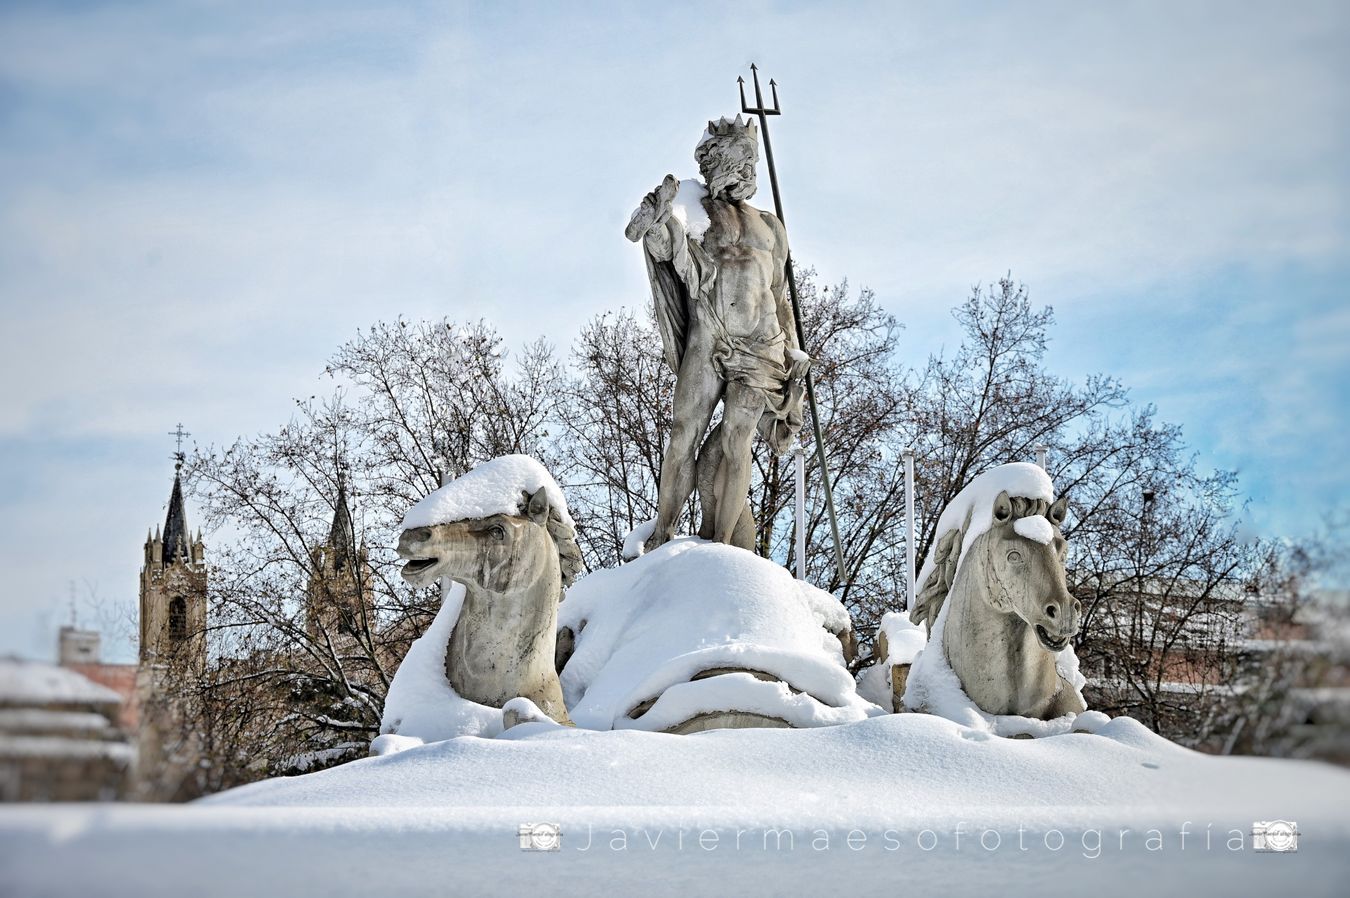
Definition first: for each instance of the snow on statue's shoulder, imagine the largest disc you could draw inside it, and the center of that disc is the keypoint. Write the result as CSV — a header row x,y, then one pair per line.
x,y
687,208
494,487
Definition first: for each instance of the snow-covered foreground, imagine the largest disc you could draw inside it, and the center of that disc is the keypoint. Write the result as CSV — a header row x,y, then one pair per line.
x,y
910,803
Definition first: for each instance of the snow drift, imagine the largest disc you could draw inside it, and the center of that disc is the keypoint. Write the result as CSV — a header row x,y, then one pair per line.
x,y
898,804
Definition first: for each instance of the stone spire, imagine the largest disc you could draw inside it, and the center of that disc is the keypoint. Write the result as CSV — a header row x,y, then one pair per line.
x,y
177,537
342,535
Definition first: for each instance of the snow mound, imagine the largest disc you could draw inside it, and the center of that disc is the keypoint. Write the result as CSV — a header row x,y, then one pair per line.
x,y
899,804
420,706
932,685
938,766
645,630
494,487
687,208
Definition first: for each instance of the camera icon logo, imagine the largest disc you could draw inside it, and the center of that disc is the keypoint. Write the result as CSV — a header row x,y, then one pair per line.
x,y
540,837
1275,835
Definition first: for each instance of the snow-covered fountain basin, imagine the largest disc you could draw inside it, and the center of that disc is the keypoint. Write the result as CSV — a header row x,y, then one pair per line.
x,y
906,802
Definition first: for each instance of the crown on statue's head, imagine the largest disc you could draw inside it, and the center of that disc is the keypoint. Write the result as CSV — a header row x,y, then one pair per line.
x,y
725,128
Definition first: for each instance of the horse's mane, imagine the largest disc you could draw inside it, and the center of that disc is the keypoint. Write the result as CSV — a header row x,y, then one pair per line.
x,y
946,557
569,553
564,537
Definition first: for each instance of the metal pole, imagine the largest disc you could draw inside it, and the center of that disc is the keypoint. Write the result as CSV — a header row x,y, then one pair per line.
x,y
1042,456
762,111
799,454
911,530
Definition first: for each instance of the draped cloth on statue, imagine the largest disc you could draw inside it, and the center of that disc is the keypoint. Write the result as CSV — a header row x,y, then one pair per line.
x,y
683,279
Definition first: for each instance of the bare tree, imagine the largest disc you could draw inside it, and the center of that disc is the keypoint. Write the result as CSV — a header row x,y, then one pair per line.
x,y
308,616
616,420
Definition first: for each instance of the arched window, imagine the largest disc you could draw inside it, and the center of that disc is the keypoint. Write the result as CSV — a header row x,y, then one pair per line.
x,y
178,618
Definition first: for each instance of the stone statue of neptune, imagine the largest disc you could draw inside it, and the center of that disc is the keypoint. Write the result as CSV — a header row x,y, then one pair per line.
x,y
717,271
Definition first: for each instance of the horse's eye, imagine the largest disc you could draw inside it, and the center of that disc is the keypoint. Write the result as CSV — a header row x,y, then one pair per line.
x,y
1015,556
498,532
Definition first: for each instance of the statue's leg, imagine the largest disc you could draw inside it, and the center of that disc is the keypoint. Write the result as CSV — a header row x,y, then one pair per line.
x,y
741,411
697,391
743,537
709,461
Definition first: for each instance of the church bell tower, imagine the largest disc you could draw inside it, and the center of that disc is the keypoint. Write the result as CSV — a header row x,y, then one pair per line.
x,y
173,588
172,651
340,596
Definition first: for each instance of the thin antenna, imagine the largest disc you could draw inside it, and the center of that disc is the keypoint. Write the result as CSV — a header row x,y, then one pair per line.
x,y
73,623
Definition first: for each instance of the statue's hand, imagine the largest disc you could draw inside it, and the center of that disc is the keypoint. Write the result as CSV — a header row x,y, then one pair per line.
x,y
654,210
798,363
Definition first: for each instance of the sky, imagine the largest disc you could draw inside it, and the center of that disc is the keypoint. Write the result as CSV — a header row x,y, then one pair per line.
x,y
200,201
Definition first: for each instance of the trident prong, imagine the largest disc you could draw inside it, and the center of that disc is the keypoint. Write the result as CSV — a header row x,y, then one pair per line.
x,y
760,109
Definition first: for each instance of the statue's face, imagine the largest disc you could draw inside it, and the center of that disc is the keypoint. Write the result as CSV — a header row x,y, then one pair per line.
x,y
476,552
1029,575
728,168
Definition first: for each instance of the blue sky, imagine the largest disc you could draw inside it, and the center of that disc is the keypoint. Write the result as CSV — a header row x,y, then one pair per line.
x,y
198,202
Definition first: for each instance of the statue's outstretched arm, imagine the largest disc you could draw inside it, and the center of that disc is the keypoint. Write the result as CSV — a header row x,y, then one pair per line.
x,y
649,220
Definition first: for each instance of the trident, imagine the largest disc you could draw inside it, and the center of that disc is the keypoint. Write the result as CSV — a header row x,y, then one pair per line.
x,y
763,111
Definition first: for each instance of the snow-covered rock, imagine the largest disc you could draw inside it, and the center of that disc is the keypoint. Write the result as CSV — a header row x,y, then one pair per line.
x,y
645,630
903,640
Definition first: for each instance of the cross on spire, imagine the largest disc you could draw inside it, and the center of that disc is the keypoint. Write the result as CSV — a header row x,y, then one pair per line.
x,y
178,455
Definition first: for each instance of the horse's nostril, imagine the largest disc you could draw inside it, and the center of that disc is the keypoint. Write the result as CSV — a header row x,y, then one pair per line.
x,y
1050,611
417,534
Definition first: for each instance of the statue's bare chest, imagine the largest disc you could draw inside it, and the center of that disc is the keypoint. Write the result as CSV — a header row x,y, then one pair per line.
x,y
737,228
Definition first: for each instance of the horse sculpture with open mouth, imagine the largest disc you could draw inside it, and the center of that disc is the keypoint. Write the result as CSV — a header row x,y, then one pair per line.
x,y
995,599
514,564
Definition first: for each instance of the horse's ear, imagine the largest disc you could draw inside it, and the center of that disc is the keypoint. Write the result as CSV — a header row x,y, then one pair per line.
x,y
536,509
1003,508
1059,511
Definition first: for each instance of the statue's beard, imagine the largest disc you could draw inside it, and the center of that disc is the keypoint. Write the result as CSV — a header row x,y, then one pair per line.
x,y
731,183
